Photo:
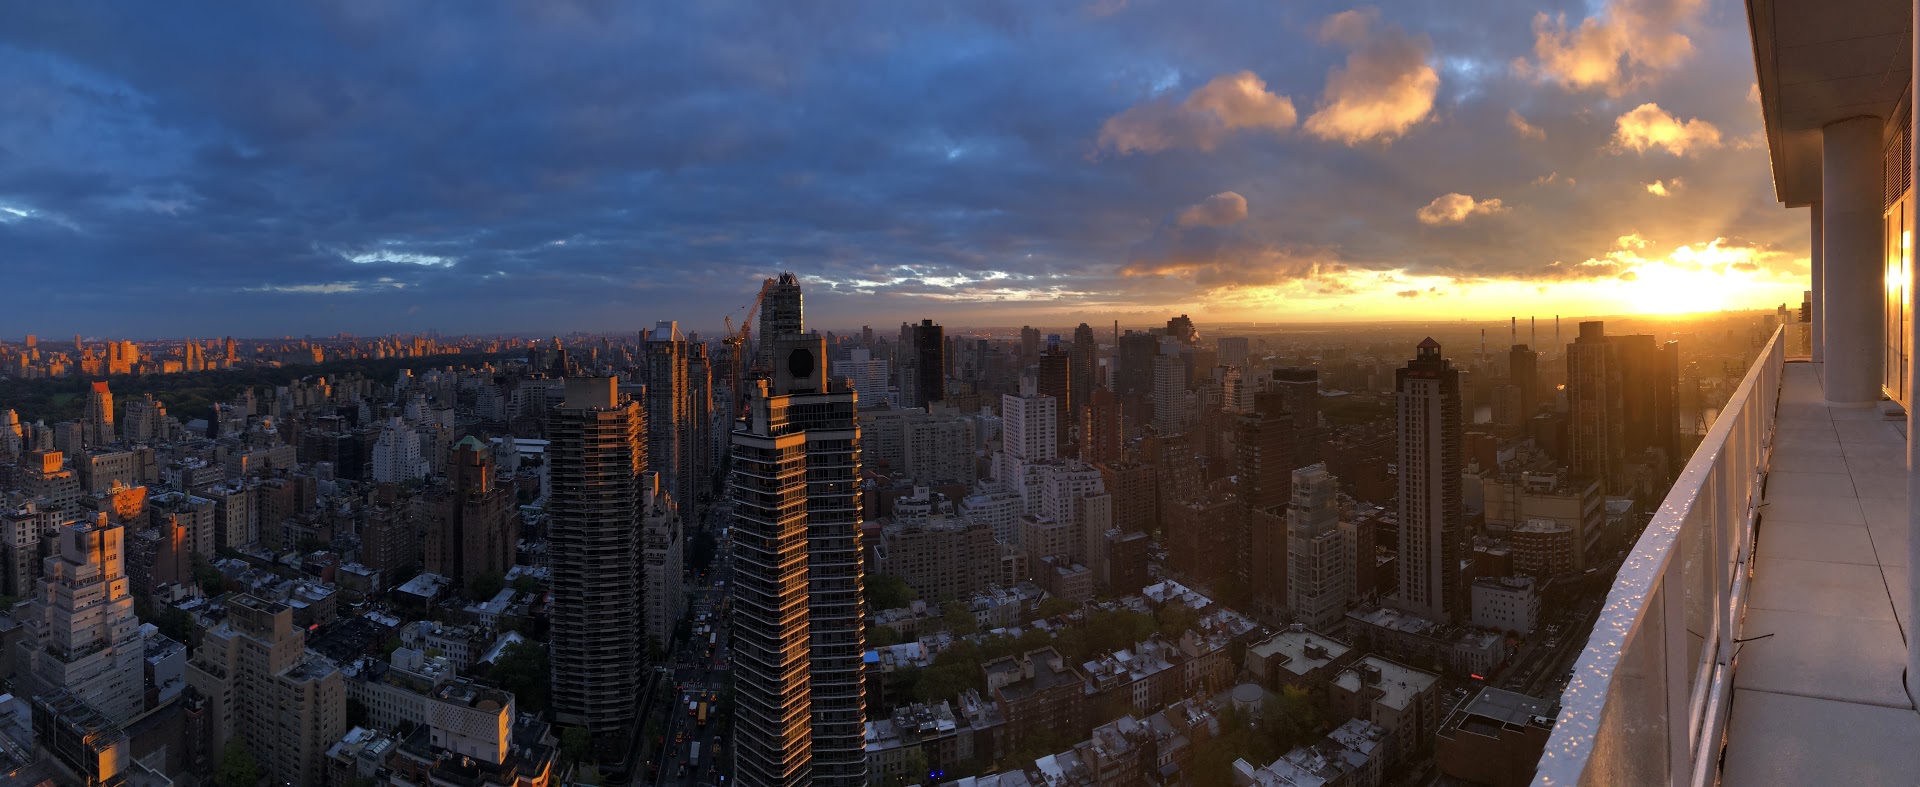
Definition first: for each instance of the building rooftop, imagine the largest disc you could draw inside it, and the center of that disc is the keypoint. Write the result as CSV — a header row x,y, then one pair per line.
x,y
1301,651
1398,683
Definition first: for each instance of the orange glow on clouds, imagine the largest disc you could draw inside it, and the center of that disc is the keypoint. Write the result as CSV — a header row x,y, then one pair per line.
x,y
1704,277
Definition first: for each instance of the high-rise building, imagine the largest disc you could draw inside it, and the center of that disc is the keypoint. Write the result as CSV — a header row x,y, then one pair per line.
x,y
700,412
871,377
597,454
262,687
476,524
1086,367
1100,435
1054,377
13,438
396,454
81,633
1027,439
1170,414
1233,350
928,354
146,419
669,406
798,633
663,557
1029,341
1649,388
782,314
1299,390
1523,369
1596,438
97,423
1265,458
1318,584
1181,329
1432,530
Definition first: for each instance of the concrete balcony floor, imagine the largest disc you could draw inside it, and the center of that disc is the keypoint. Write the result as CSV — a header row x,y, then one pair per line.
x,y
1817,691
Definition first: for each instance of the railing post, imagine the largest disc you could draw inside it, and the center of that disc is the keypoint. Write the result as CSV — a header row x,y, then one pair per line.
x,y
1679,733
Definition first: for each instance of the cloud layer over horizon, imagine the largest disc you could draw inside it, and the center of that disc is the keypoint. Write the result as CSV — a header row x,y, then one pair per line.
x,y
367,167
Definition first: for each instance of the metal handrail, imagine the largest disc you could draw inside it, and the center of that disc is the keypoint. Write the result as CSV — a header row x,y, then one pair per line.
x,y
1700,541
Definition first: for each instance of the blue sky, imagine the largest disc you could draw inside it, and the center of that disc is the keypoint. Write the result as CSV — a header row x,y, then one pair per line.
x,y
261,169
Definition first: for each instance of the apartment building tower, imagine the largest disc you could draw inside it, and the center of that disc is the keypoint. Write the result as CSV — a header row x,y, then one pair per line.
x,y
1318,584
798,635
597,454
1432,533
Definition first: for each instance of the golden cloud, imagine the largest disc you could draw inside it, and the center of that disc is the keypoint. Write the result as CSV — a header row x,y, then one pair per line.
x,y
1455,207
1648,126
1385,88
1228,103
1523,128
1218,210
1626,44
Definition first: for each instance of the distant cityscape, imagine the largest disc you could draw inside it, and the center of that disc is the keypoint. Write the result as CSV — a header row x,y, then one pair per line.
x,y
1092,555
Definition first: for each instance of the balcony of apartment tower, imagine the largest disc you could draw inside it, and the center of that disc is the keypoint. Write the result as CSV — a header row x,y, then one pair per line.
x,y
1761,630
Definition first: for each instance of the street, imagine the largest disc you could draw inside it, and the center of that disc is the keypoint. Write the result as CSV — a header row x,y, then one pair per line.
x,y
699,675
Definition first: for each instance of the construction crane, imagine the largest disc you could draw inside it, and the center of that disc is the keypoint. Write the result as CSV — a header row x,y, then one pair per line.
x,y
737,346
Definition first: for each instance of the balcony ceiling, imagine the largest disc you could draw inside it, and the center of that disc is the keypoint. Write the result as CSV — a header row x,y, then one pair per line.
x,y
1820,61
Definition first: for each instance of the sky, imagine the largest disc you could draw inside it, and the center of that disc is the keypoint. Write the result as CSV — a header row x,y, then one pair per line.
x,y
372,167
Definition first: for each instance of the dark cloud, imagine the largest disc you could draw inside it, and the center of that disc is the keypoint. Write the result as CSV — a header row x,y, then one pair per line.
x,y
376,167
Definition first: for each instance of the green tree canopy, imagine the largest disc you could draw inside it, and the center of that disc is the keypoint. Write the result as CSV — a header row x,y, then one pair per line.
x,y
524,670
886,591
485,586
237,767
959,619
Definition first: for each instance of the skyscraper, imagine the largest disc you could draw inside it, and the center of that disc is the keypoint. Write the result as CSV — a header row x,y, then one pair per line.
x,y
797,629
1054,377
396,454
1264,454
596,456
1169,395
1596,440
1523,368
285,705
1086,366
97,423
700,412
1299,390
1317,579
930,368
1432,533
669,405
475,526
81,633
1100,436
781,315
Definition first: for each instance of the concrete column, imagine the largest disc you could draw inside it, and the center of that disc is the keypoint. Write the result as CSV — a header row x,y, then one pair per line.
x,y
1817,313
1852,270
1913,448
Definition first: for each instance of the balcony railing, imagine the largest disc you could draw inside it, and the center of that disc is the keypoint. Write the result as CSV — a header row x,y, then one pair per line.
x,y
1648,700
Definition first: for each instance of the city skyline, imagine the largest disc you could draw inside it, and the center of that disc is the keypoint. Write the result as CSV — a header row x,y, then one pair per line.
x,y
972,165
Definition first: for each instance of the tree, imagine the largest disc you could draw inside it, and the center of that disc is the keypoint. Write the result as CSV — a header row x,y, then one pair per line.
x,y
886,591
1290,719
485,586
1175,619
882,636
356,713
913,768
959,619
237,767
575,743
524,670
526,583
211,582
1055,606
